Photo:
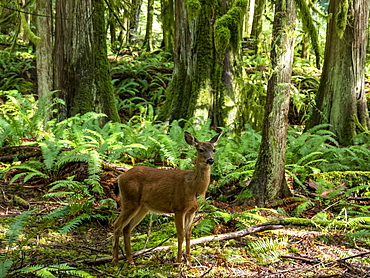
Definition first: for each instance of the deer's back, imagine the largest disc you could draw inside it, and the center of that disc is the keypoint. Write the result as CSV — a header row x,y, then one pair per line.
x,y
160,190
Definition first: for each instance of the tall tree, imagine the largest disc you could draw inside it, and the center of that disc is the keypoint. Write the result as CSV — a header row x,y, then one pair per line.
x,y
44,49
168,24
341,100
81,64
268,181
148,39
256,31
207,34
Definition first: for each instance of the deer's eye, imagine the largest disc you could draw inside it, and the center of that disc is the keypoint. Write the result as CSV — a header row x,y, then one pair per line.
x,y
201,151
214,150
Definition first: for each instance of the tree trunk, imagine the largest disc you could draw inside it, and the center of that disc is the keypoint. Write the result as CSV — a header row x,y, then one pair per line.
x,y
148,40
44,50
81,64
268,183
202,74
256,31
168,24
341,100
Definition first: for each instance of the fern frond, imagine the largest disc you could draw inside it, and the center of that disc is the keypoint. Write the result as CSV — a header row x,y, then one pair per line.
x,y
47,271
75,222
16,227
57,213
27,175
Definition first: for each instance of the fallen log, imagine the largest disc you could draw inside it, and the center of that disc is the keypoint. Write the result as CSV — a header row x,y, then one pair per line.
x,y
253,229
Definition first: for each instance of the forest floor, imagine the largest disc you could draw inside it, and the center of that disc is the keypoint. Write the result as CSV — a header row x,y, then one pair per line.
x,y
292,251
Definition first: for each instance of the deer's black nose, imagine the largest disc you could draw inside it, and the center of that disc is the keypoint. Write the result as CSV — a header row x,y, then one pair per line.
x,y
210,161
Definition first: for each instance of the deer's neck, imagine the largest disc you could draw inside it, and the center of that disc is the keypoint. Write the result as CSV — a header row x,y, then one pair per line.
x,y
202,178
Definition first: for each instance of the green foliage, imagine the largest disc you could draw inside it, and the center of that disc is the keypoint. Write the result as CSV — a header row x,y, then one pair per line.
x,y
140,81
49,271
15,237
358,237
12,238
317,150
267,250
303,96
14,70
22,117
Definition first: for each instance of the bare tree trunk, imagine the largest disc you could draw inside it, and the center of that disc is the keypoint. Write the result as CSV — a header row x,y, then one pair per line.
x,y
268,183
341,100
44,50
148,40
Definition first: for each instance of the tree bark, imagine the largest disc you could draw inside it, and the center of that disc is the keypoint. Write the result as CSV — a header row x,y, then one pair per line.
x,y
203,73
168,24
256,30
268,183
148,39
81,64
341,100
44,50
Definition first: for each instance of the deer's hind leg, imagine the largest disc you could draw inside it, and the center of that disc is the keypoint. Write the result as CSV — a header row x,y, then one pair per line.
x,y
125,217
179,221
127,232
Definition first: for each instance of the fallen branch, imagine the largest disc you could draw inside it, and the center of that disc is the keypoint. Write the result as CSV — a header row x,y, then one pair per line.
x,y
254,229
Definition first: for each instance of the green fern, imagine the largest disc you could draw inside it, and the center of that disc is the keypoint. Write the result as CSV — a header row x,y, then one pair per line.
x,y
50,270
11,239
32,168
267,251
306,204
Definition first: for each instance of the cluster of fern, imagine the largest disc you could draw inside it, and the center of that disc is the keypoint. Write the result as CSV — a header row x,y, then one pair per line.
x,y
140,81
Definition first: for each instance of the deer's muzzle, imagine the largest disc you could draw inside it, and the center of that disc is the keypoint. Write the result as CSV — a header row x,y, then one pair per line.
x,y
210,161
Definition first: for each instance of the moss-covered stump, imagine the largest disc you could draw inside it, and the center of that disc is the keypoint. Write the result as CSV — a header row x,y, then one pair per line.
x,y
350,178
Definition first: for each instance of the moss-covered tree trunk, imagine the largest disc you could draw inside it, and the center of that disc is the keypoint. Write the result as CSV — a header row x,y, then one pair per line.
x,y
203,56
81,64
341,100
256,31
168,24
268,182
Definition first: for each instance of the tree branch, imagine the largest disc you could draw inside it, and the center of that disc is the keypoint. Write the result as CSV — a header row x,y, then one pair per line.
x,y
254,229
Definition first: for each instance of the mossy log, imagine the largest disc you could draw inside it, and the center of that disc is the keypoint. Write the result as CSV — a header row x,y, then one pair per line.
x,y
350,178
335,224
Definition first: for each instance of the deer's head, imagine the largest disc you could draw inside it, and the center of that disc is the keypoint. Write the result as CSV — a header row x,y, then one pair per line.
x,y
205,150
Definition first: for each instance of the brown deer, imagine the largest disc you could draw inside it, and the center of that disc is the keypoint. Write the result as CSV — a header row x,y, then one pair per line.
x,y
145,189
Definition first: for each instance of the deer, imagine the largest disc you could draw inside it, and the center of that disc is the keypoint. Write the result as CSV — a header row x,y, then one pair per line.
x,y
143,189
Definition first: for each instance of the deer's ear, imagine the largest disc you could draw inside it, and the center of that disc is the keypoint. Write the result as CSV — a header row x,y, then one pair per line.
x,y
190,139
214,140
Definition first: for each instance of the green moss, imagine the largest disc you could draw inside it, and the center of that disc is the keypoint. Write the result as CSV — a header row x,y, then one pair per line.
x,y
341,18
28,32
227,31
193,7
351,178
222,39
